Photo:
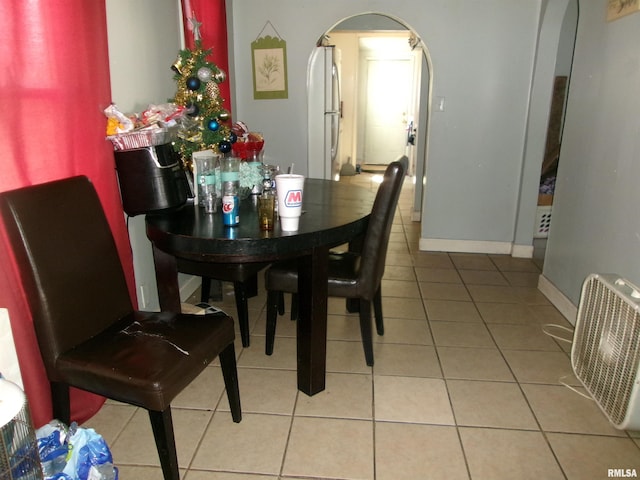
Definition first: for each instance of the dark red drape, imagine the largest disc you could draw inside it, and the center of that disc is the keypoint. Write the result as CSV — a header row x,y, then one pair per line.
x,y
213,32
54,84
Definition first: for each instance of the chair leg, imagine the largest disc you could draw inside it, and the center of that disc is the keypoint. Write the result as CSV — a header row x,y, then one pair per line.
x,y
294,306
273,300
251,286
61,402
377,309
243,312
280,303
365,330
162,426
230,375
205,290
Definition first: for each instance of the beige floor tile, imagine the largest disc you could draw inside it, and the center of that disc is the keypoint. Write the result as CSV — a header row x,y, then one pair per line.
x,y
330,448
432,260
441,275
493,293
531,296
522,279
265,390
410,451
204,392
141,473
397,272
472,261
507,263
346,396
400,288
512,313
587,456
207,475
255,445
110,420
495,454
408,332
414,400
522,337
457,334
490,404
548,314
474,364
402,259
342,327
452,311
136,446
284,355
541,367
346,357
483,277
406,360
559,409
444,291
411,308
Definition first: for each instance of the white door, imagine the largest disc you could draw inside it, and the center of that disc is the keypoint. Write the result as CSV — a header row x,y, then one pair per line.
x,y
389,89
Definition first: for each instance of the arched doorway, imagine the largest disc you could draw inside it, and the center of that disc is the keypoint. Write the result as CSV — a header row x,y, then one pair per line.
x,y
380,59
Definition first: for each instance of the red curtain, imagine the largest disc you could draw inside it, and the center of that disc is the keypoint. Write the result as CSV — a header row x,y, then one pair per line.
x,y
54,84
213,32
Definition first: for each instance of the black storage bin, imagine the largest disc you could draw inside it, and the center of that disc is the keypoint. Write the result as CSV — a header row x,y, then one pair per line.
x,y
151,179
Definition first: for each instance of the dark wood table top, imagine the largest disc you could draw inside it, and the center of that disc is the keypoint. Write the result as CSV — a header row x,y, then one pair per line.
x,y
333,213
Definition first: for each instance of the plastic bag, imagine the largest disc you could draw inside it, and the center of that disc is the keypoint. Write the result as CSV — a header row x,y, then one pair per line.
x,y
74,453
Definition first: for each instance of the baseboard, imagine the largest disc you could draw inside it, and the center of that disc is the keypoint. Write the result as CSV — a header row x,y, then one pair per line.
x,y
522,251
416,216
464,246
558,299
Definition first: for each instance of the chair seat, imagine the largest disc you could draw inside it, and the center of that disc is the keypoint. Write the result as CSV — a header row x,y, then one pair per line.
x,y
343,271
122,363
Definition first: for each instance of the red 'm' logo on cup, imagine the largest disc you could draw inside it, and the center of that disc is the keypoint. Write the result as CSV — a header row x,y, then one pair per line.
x,y
293,198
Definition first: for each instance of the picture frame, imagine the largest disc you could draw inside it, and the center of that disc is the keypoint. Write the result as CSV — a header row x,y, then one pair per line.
x,y
620,8
269,68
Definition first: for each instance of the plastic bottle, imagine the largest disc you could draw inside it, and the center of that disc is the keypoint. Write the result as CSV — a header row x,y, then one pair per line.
x,y
230,204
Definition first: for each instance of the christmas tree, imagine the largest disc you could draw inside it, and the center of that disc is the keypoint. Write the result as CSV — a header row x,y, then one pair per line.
x,y
206,123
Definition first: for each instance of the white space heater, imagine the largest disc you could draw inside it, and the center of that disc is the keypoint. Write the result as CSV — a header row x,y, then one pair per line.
x,y
605,354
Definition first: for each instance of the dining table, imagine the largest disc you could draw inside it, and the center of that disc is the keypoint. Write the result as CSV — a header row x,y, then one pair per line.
x,y
333,214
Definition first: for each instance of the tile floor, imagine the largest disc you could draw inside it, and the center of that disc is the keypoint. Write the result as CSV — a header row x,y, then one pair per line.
x,y
466,385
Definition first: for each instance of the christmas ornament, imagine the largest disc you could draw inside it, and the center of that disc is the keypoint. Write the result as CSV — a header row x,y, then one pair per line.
x,y
213,125
224,146
220,76
205,74
193,83
233,138
177,66
223,116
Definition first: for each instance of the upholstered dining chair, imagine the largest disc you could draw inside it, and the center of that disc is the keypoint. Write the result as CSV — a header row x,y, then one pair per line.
x,y
352,275
244,277
89,334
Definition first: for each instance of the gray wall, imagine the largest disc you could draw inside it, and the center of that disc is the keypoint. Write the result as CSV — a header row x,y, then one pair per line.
x,y
144,41
483,55
595,225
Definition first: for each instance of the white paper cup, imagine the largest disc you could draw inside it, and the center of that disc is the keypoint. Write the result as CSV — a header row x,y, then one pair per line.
x,y
289,188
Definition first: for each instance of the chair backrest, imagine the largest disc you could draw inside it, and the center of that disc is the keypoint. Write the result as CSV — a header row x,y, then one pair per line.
x,y
68,263
376,241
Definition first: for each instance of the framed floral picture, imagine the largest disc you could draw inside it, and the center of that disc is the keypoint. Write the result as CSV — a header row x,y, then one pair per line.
x,y
620,8
269,64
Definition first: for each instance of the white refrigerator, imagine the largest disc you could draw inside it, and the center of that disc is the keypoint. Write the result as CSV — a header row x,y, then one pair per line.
x,y
324,113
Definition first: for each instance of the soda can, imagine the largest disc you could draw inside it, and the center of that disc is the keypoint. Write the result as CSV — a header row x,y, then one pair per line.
x,y
230,210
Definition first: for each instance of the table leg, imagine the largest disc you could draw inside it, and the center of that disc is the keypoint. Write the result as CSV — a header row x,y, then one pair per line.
x,y
312,321
167,280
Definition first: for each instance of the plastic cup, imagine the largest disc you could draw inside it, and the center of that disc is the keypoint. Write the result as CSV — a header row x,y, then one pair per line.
x,y
289,188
